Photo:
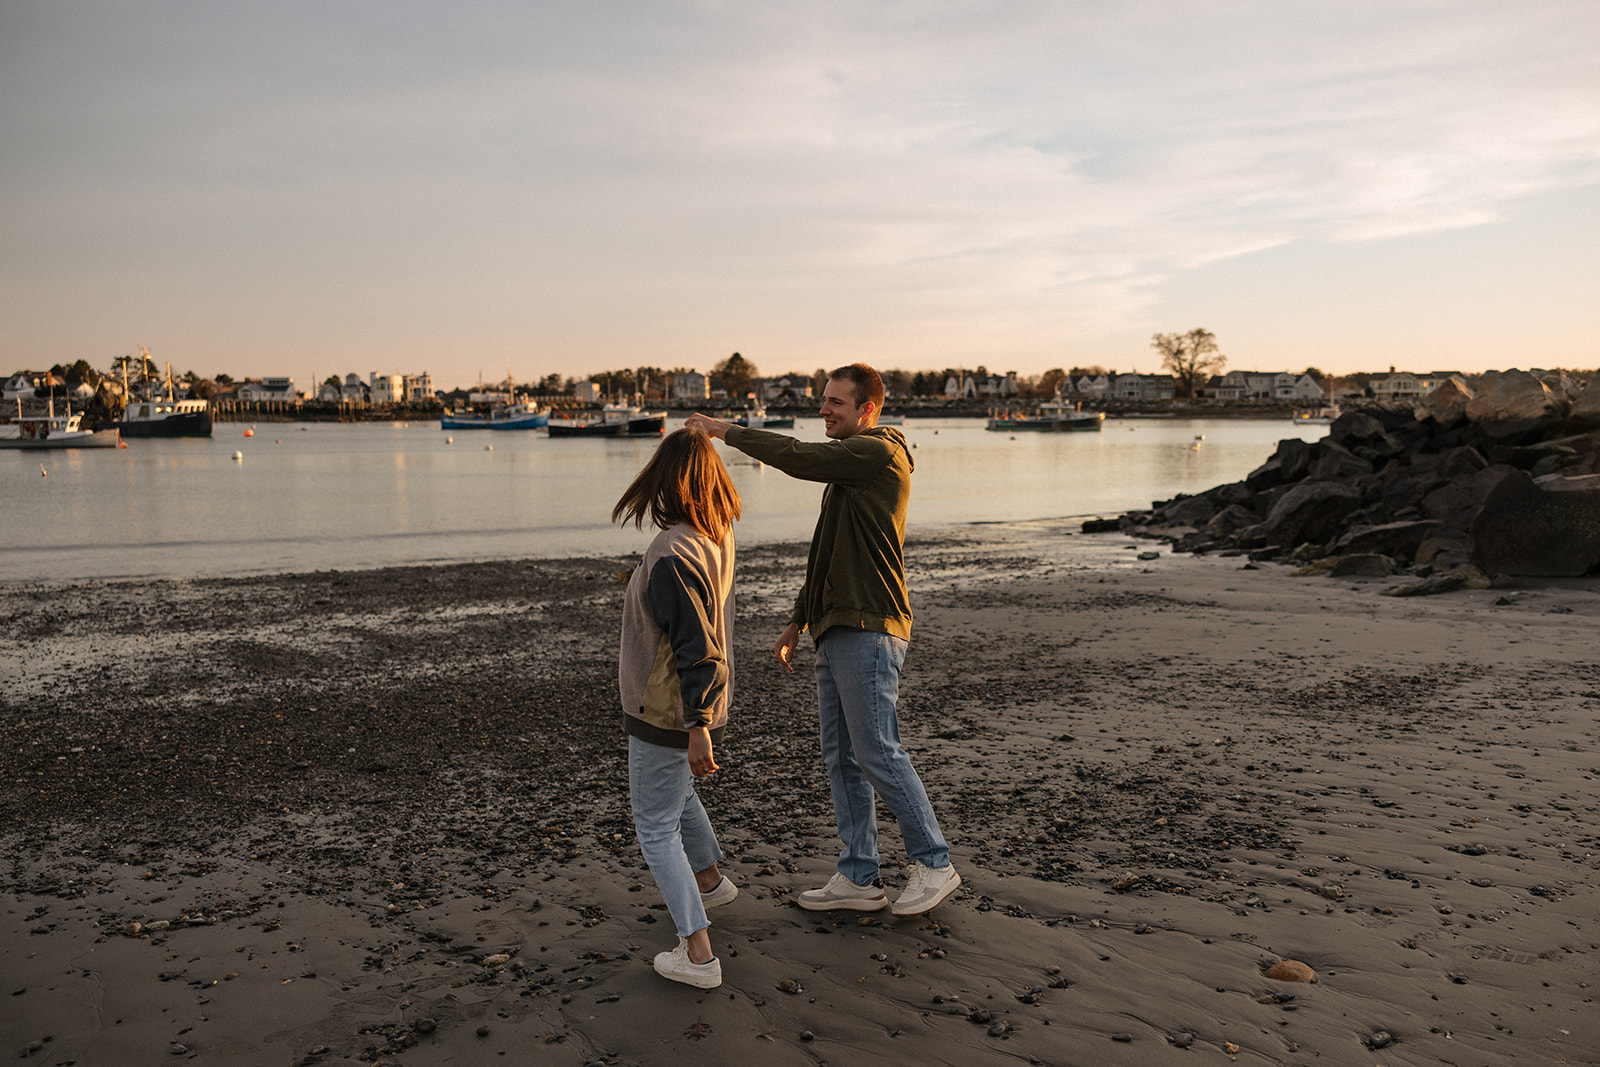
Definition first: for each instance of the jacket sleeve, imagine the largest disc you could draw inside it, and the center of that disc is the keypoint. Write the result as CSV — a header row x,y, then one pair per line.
x,y
848,462
680,603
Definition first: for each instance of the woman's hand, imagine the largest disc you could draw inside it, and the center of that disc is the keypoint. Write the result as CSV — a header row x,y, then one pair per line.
x,y
702,762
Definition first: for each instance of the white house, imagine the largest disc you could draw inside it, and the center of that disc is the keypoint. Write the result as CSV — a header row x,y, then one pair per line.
x,y
1404,385
784,388
267,389
1263,385
418,386
1092,385
20,386
386,388
1143,386
353,390
688,387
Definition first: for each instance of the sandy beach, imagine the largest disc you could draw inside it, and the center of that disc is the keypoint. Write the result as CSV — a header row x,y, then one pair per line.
x,y
381,817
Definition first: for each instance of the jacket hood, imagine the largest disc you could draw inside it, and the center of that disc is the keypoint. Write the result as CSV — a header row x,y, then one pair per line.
x,y
892,437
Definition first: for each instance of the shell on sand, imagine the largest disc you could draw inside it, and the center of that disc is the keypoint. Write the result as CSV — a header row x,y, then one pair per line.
x,y
1291,971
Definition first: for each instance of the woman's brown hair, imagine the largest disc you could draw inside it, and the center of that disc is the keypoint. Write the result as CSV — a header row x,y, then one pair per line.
x,y
686,482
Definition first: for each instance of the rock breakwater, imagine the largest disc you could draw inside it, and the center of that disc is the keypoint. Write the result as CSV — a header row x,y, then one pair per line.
x,y
1461,488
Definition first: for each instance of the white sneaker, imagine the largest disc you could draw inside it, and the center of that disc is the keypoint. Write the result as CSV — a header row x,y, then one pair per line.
x,y
926,889
677,966
841,894
722,893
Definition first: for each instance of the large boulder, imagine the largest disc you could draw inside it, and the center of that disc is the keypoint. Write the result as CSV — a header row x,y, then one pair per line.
x,y
1288,464
1546,528
1586,409
1455,503
1310,511
1446,405
1512,396
1397,540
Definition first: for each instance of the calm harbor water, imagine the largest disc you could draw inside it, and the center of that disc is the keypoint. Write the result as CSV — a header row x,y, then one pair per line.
x,y
329,496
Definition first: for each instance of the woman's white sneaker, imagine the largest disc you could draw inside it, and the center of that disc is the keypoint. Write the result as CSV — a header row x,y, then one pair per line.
x,y
841,894
926,889
722,893
677,966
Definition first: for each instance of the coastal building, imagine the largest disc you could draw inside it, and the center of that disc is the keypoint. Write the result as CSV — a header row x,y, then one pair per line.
x,y
1143,386
688,387
418,387
785,389
22,385
967,386
1263,385
1406,385
1091,385
351,391
266,389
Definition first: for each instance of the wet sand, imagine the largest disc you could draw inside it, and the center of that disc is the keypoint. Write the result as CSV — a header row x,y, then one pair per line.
x,y
381,817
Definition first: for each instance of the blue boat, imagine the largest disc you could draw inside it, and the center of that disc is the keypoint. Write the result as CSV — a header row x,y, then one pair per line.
x,y
499,417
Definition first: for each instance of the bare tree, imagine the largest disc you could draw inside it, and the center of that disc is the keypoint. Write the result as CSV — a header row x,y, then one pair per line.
x,y
1191,357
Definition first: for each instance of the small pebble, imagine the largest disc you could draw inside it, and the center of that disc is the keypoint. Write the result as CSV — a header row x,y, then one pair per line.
x,y
806,1035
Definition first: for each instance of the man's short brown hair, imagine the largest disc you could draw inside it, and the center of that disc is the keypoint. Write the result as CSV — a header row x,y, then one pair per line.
x,y
868,385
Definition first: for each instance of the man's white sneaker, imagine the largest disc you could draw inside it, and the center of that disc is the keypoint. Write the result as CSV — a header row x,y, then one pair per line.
x,y
841,894
926,889
722,893
677,966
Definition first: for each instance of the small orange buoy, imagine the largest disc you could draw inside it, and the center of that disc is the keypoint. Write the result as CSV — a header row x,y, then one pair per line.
x,y
42,472
121,443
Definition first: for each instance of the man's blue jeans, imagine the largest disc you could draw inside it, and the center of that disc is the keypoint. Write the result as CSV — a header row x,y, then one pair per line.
x,y
674,833
858,683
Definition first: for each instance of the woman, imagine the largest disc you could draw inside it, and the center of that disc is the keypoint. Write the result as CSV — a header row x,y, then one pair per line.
x,y
675,673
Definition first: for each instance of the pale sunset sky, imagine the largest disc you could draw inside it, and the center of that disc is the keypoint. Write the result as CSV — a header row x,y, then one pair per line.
x,y
310,188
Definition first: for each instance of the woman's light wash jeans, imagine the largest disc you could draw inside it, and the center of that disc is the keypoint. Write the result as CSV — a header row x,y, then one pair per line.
x,y
858,683
673,830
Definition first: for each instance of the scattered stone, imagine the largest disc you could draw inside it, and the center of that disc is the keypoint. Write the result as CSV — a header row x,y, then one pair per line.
x,y
1123,1038
790,986
1291,971
1183,1040
1380,1039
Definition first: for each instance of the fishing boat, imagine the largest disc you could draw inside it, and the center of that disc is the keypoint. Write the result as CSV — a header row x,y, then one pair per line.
x,y
1321,416
499,417
152,414
57,431
1052,416
760,420
896,419
613,420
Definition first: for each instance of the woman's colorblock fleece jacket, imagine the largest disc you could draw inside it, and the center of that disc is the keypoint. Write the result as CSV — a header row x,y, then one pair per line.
x,y
676,664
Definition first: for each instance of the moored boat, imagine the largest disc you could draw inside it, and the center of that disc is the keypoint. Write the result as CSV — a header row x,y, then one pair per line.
x,y
760,420
1320,416
152,414
1052,416
499,417
166,418
57,431
613,420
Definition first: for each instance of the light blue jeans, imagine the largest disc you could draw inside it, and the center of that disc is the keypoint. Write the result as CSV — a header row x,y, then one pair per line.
x,y
673,831
858,683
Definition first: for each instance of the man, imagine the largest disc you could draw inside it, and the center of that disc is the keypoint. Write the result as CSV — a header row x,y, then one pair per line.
x,y
855,606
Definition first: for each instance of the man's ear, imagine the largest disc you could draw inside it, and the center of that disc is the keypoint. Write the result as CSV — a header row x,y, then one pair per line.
x,y
872,409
